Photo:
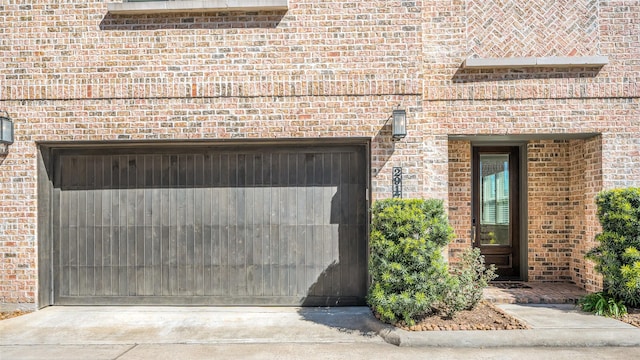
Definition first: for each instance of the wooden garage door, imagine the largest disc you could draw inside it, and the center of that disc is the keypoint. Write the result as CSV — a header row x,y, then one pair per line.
x,y
252,225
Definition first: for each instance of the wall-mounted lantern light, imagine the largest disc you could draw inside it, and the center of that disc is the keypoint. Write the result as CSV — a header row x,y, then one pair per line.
x,y
398,124
6,132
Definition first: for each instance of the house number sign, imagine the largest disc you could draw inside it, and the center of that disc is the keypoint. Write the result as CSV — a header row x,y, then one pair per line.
x,y
396,186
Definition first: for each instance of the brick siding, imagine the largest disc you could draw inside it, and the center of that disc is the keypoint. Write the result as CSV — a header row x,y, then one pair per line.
x,y
459,196
564,175
549,251
73,72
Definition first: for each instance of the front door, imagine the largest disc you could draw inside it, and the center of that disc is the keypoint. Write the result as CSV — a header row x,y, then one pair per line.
x,y
495,218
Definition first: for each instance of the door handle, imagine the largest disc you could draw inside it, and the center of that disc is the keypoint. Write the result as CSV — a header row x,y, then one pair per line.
x,y
473,235
473,231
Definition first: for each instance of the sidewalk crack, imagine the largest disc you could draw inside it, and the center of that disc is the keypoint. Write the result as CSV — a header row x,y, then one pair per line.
x,y
126,351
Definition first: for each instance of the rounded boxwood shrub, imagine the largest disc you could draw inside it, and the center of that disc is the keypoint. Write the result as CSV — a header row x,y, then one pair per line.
x,y
617,256
406,265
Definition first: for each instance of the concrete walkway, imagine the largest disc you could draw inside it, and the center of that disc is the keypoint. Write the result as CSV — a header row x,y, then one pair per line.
x,y
111,332
557,325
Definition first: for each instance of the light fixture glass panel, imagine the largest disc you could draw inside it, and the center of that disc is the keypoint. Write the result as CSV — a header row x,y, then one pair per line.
x,y
399,123
6,130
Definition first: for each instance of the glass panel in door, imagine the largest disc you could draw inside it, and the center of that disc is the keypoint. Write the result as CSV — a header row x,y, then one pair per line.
x,y
494,199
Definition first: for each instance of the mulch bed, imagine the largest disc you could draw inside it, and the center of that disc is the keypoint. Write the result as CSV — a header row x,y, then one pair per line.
x,y
633,317
11,314
485,316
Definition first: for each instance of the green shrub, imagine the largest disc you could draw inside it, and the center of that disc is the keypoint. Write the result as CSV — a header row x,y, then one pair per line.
x,y
470,277
603,305
617,256
407,269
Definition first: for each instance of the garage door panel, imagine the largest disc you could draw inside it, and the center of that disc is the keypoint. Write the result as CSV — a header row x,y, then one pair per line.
x,y
105,261
119,285
153,246
342,268
97,260
272,250
309,264
219,285
279,226
256,276
223,269
90,282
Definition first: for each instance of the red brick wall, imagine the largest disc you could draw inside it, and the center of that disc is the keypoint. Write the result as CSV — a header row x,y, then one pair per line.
x,y
525,28
576,213
70,71
585,183
549,207
530,103
459,196
563,177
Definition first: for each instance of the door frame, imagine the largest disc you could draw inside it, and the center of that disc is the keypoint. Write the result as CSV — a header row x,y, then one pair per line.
x,y
522,209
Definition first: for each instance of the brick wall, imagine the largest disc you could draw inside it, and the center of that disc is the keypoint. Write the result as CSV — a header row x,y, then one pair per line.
x,y
563,177
459,196
585,182
577,197
549,207
498,28
73,72
530,103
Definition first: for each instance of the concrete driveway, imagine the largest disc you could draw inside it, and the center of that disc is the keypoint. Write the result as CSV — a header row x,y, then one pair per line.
x,y
155,333
180,332
189,325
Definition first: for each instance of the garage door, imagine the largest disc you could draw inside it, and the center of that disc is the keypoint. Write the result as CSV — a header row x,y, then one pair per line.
x,y
242,226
